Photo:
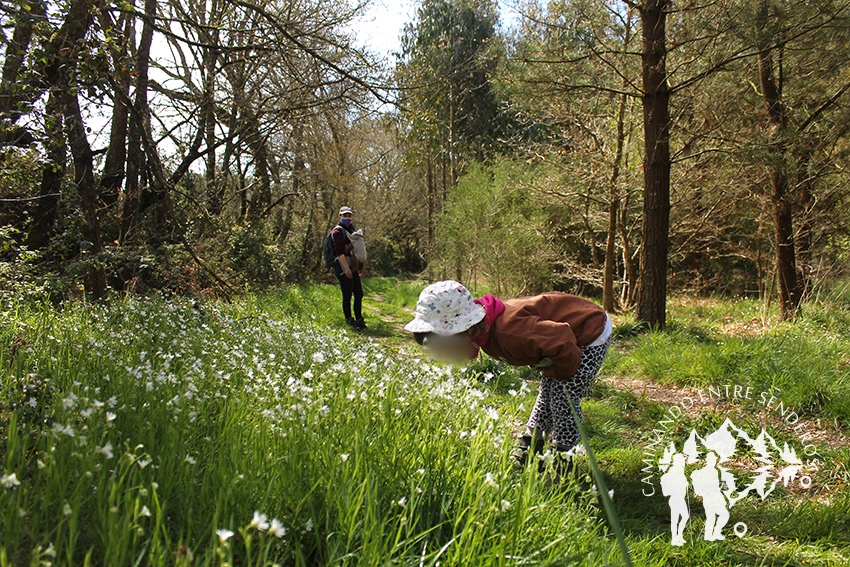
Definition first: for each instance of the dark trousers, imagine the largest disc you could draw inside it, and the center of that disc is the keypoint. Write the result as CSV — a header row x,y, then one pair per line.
x,y
350,287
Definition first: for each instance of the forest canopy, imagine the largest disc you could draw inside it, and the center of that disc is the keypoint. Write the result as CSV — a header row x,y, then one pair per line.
x,y
611,147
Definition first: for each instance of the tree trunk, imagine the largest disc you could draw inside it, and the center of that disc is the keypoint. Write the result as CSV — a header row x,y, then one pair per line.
x,y
13,58
429,195
652,296
59,71
261,197
44,215
218,191
786,268
299,176
77,22
608,302
594,252
804,213
135,152
209,64
242,189
305,244
116,154
630,290
209,175
95,278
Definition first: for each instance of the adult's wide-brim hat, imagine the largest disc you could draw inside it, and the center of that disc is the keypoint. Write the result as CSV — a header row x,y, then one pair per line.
x,y
445,308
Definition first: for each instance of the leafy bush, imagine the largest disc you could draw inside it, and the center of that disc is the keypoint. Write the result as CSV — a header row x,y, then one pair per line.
x,y
492,231
21,279
251,254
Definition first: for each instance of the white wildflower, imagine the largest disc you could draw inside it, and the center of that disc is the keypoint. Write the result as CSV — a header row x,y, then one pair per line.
x,y
106,450
190,460
277,528
66,509
65,429
492,413
318,357
505,505
344,457
142,463
309,525
224,535
110,416
491,480
403,502
259,521
9,480
145,511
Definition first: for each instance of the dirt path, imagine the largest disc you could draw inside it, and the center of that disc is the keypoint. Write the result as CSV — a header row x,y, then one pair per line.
x,y
693,401
387,321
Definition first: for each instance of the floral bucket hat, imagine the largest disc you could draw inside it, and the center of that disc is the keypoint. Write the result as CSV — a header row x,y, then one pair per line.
x,y
445,308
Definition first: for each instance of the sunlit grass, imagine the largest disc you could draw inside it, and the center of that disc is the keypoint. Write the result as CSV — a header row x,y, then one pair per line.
x,y
807,360
158,428
263,432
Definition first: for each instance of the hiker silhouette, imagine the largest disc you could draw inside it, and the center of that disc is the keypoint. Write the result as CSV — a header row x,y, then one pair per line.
x,y
674,484
706,483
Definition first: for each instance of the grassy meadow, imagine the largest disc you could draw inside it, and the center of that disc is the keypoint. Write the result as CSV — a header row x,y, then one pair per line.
x,y
261,432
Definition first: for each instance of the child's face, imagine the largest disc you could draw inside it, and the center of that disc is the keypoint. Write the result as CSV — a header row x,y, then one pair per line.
x,y
451,348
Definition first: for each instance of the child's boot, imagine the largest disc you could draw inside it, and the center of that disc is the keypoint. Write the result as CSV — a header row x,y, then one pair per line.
x,y
527,443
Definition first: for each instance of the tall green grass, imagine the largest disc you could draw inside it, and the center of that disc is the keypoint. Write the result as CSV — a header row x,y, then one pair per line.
x,y
153,432
261,432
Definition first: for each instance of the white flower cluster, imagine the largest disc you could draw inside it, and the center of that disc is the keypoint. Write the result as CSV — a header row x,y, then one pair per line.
x,y
290,378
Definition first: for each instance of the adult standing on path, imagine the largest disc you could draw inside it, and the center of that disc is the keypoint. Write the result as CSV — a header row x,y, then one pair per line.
x,y
347,269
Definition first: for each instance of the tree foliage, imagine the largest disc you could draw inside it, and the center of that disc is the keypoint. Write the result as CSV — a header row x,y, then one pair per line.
x,y
206,146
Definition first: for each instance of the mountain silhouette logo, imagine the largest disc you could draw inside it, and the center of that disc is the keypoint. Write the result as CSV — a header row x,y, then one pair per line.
x,y
715,483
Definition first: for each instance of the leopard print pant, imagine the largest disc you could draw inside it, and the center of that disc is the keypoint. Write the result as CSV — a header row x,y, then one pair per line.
x,y
551,412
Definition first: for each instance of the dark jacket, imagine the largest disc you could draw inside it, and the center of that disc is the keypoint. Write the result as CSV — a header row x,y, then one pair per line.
x,y
343,245
554,325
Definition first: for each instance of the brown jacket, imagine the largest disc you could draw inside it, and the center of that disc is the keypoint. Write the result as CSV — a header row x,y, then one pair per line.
x,y
553,325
